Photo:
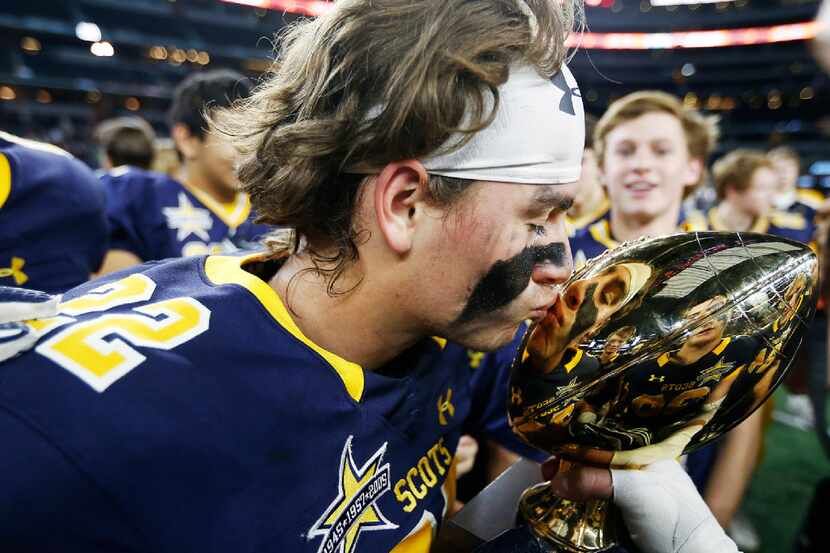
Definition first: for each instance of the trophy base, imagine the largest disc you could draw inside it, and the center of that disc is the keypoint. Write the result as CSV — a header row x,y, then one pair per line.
x,y
570,526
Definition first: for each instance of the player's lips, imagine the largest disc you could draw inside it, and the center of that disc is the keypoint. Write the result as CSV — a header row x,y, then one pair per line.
x,y
543,311
639,186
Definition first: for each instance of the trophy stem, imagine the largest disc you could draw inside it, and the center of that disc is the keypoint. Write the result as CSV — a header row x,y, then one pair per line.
x,y
571,526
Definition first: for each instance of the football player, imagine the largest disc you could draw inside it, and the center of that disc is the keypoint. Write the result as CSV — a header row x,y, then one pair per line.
x,y
310,397
652,152
746,183
154,216
53,226
125,142
788,196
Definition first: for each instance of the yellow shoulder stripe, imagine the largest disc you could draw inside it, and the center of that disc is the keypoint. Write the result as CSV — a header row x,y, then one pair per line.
x,y
228,270
809,197
663,359
722,346
601,232
5,179
574,361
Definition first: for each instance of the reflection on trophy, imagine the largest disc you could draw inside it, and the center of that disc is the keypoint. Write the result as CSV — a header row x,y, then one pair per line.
x,y
653,350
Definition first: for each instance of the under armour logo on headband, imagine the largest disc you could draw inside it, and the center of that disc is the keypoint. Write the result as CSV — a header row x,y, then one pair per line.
x,y
566,104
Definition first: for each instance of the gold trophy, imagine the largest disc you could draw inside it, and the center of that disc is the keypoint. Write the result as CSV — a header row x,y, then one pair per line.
x,y
653,350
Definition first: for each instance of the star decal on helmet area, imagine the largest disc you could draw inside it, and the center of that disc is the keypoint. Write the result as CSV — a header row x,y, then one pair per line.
x,y
186,219
355,508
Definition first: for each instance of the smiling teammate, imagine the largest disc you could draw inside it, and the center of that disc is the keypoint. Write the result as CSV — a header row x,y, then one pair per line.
x,y
310,398
652,154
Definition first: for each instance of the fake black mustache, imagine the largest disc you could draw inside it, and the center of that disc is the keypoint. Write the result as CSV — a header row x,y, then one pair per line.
x,y
507,279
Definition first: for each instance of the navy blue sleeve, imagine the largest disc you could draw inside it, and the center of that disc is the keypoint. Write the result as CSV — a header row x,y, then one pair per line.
x,y
48,505
133,216
490,389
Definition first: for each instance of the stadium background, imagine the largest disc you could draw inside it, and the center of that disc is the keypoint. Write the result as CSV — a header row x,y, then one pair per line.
x,y
65,66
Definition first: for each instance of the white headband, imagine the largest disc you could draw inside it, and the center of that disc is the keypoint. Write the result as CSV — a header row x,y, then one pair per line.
x,y
536,137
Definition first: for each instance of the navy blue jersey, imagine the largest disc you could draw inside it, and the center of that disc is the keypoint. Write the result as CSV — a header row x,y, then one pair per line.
x,y
155,217
594,239
176,407
53,228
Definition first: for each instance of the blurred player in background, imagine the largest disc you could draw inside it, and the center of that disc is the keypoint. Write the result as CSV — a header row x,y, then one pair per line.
x,y
53,227
125,142
747,182
154,216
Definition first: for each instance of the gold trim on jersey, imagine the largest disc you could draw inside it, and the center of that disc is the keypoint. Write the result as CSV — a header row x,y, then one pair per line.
x,y
233,213
228,270
810,198
577,357
5,179
601,232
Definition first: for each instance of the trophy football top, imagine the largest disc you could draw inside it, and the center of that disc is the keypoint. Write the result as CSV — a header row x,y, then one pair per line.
x,y
661,345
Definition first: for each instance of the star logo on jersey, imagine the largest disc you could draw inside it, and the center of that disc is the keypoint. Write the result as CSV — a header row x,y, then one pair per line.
x,y
715,372
186,219
355,508
568,388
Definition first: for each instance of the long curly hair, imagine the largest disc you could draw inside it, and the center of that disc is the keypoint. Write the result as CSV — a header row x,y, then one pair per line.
x,y
371,82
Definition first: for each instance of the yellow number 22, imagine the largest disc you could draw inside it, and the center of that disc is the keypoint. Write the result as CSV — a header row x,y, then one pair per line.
x,y
100,351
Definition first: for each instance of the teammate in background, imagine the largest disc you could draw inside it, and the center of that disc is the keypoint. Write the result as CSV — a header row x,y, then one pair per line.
x,y
154,216
125,142
591,202
652,153
746,183
53,227
788,196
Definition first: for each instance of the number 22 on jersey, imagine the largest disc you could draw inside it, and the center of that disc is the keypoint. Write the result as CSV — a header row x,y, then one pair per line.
x,y
101,350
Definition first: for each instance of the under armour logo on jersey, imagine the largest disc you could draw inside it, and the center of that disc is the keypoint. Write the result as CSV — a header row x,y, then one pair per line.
x,y
445,406
654,378
15,271
475,358
566,104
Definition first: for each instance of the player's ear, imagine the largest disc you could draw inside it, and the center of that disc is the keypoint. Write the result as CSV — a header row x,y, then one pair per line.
x,y
399,194
187,143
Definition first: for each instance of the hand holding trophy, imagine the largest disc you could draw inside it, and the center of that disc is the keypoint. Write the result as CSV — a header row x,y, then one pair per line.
x,y
653,350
